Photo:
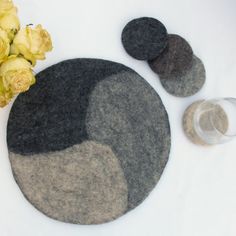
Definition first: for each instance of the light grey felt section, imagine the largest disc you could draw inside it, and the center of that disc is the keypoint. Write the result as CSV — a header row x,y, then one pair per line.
x,y
83,184
128,115
189,83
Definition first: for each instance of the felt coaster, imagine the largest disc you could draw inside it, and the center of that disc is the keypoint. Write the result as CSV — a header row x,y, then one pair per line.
x,y
144,38
219,119
89,141
175,60
188,124
189,83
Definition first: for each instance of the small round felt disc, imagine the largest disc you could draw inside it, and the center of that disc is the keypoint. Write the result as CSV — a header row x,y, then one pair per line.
x,y
189,83
89,141
219,119
176,59
188,124
144,38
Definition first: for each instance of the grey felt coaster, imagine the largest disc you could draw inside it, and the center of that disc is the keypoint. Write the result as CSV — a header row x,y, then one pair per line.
x,y
188,124
89,141
218,118
175,60
189,83
144,38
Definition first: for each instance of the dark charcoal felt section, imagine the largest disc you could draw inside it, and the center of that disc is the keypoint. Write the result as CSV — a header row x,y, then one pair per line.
x,y
135,124
189,83
51,115
88,108
176,59
144,38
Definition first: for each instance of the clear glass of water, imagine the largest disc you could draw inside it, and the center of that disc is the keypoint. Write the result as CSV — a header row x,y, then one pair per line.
x,y
214,120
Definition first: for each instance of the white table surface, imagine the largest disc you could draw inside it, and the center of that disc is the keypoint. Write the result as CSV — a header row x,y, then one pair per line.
x,y
196,195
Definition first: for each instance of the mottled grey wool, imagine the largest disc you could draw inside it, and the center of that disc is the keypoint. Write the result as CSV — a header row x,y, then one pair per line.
x,y
135,124
83,184
144,38
175,60
189,83
89,100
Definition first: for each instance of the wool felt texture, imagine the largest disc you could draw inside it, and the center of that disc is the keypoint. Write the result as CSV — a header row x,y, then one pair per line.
x,y
83,184
144,38
91,100
215,115
138,132
189,83
175,60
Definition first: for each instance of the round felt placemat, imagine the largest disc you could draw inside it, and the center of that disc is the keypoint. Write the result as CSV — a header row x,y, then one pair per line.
x,y
89,141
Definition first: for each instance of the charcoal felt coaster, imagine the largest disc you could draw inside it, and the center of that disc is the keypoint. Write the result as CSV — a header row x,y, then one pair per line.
x,y
189,83
176,59
89,141
144,38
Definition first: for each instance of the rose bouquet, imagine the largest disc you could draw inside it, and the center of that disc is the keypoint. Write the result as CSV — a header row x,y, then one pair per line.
x,y
20,48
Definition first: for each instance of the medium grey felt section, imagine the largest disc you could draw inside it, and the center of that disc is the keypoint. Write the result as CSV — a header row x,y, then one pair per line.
x,y
175,60
189,83
83,184
144,38
88,100
133,123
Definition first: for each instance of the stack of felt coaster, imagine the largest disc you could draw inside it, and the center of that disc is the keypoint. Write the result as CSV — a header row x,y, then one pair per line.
x,y
170,56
